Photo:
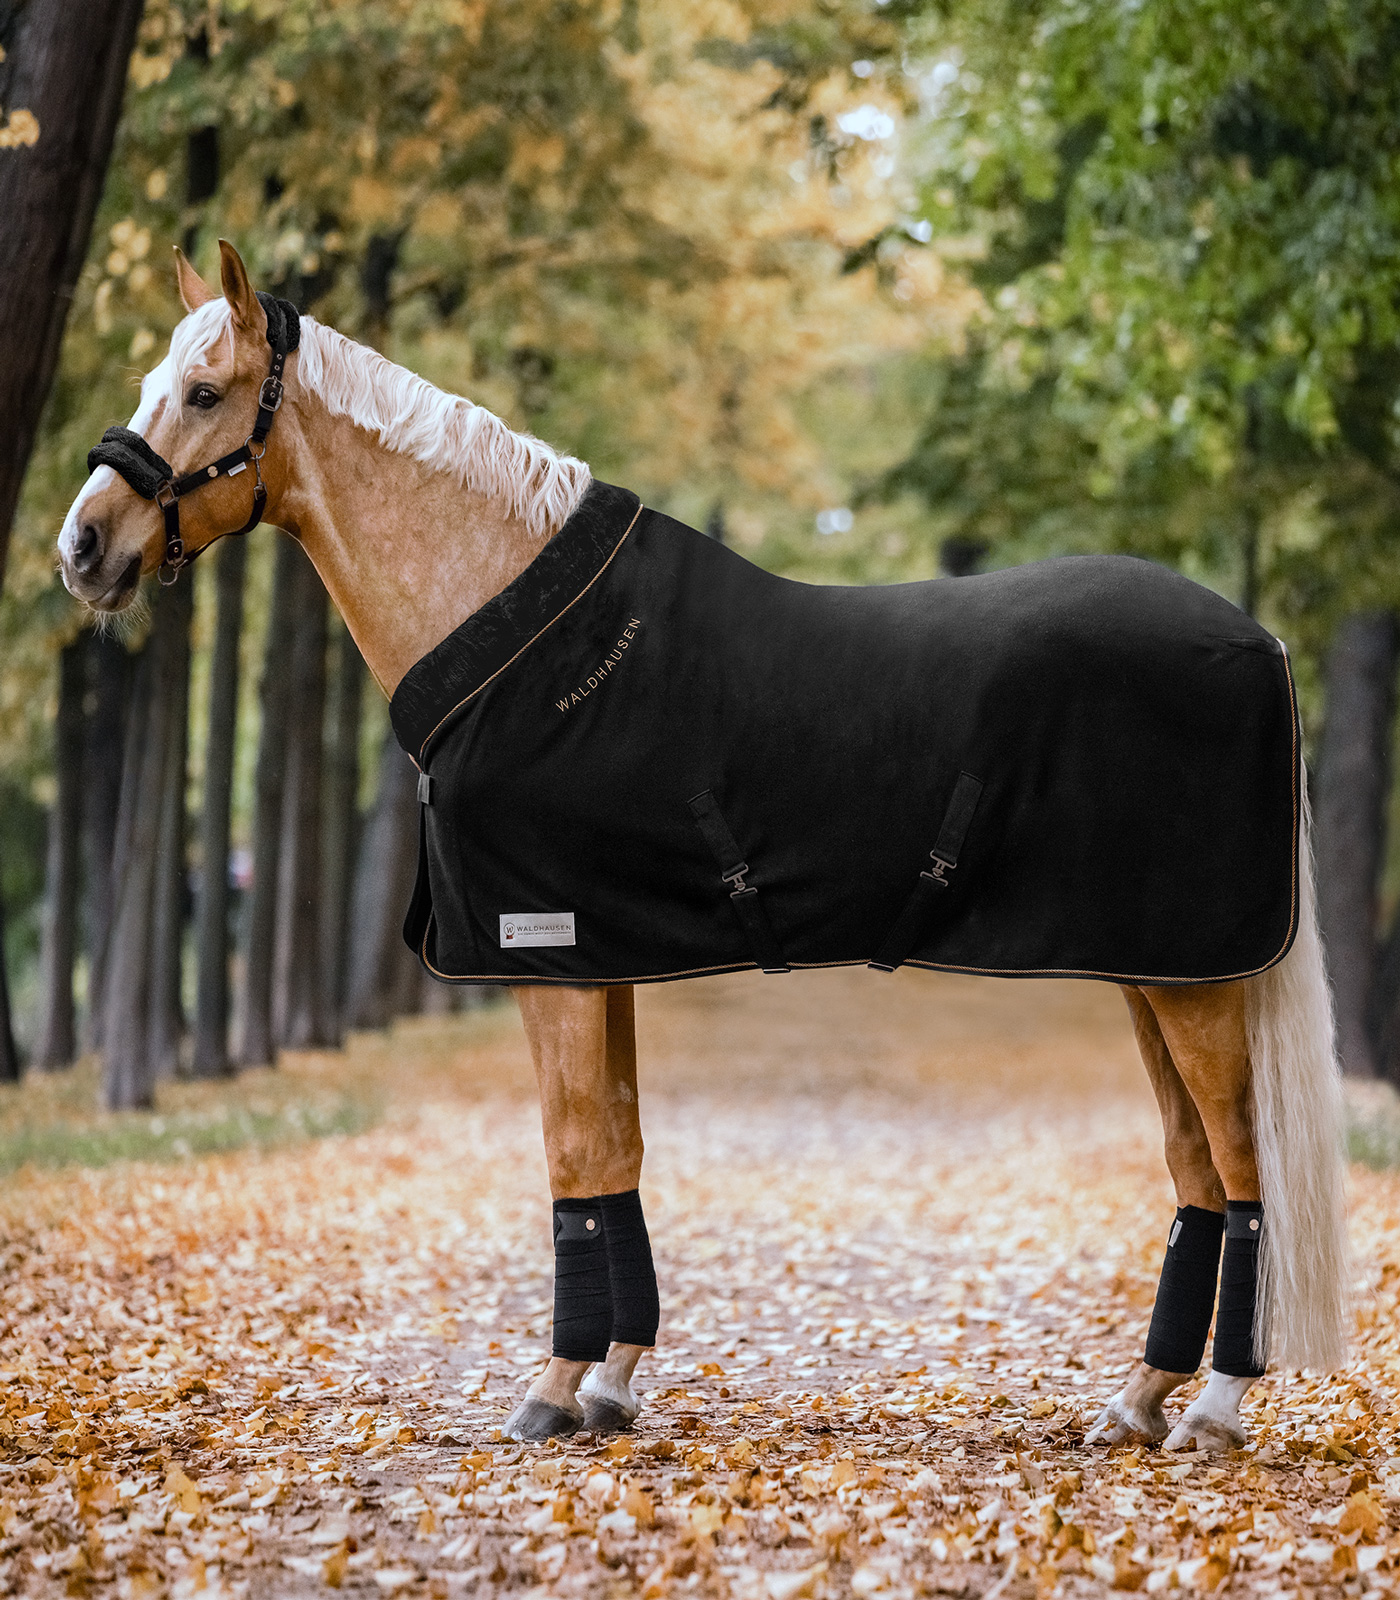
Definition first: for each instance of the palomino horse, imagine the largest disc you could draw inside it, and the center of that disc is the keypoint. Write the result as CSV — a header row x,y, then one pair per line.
x,y
417,508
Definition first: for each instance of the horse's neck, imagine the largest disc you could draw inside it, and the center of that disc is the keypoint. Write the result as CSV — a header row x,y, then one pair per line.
x,y
406,552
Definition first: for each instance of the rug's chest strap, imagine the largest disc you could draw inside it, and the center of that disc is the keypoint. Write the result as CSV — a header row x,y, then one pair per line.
x,y
733,870
934,882
420,909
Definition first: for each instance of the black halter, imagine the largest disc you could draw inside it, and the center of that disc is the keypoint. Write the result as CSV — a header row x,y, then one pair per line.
x,y
153,478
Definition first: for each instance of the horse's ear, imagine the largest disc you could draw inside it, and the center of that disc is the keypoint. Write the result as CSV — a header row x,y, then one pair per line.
x,y
247,313
194,292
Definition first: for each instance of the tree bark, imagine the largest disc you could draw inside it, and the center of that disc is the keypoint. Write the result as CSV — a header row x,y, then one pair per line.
x,y
1352,787
300,1018
211,1055
65,64
106,730
57,1042
257,1044
342,827
167,1021
130,1025
383,884
9,1054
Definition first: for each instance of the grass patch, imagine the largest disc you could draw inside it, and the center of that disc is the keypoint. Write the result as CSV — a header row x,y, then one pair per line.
x,y
54,1119
138,1136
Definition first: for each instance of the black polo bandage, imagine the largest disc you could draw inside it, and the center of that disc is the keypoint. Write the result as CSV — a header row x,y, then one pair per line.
x,y
1176,1341
582,1293
636,1307
1239,1291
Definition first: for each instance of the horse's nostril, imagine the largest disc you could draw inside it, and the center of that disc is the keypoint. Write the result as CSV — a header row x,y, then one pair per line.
x,y
87,547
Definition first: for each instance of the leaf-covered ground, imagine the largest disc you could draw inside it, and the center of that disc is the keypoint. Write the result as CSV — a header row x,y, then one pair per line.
x,y
907,1232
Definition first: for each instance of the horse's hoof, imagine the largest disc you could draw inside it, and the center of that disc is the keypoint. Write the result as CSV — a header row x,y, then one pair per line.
x,y
535,1420
608,1407
601,1415
1215,1435
1119,1423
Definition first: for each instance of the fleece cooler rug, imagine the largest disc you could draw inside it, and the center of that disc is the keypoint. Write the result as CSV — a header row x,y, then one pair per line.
x,y
649,759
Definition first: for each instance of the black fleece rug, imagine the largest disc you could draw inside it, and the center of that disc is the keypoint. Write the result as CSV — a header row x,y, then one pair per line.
x,y
649,759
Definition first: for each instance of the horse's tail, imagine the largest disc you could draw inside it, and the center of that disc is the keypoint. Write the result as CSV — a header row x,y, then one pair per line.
x,y
1303,1302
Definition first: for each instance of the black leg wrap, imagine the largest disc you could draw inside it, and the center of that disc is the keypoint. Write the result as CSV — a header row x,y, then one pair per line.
x,y
636,1305
1239,1291
1176,1341
582,1294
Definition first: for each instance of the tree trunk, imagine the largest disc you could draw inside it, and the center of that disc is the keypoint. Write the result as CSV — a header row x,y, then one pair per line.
x,y
257,1045
65,65
57,1043
9,1055
211,1057
342,827
300,1018
1352,787
128,803
106,730
383,884
167,1021
131,1028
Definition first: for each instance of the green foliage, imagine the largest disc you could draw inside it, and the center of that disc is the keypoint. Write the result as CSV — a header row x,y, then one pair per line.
x,y
1185,218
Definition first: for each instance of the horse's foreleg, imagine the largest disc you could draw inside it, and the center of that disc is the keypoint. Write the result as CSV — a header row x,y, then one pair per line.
x,y
605,1305
1186,1291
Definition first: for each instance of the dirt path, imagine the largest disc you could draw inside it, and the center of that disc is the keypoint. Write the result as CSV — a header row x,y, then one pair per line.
x,y
907,1232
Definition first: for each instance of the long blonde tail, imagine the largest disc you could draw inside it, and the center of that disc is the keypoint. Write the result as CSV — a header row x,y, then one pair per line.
x,y
1303,1313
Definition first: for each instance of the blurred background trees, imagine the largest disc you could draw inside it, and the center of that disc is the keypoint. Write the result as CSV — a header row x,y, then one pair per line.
x,y
872,291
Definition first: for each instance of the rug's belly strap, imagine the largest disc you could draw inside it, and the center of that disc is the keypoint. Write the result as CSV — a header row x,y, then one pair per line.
x,y
900,942
733,869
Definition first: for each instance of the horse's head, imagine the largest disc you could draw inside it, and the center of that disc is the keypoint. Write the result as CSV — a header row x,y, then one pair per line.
x,y
197,407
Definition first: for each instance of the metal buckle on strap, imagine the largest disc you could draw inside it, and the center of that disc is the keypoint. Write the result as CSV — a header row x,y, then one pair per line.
x,y
166,495
940,867
736,876
270,395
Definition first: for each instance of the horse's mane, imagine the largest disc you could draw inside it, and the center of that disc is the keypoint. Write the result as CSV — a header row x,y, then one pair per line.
x,y
441,430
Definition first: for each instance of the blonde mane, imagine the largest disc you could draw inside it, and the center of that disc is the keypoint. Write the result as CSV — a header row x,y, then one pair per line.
x,y
444,431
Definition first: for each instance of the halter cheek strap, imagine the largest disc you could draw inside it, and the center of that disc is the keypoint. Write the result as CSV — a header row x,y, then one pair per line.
x,y
153,478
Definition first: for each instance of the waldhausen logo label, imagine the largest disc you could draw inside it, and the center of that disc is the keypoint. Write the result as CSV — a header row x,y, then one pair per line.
x,y
536,928
578,695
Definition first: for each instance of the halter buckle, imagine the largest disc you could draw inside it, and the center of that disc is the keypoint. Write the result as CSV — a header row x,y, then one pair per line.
x,y
270,395
166,495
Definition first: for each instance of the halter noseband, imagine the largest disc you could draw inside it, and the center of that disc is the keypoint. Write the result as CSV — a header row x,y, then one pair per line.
x,y
153,478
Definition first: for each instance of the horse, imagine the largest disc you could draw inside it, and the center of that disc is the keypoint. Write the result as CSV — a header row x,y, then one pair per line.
x,y
418,509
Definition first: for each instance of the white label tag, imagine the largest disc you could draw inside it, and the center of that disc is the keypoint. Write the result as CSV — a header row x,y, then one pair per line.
x,y
536,927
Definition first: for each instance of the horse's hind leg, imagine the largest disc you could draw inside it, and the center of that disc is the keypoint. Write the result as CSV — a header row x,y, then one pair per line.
x,y
584,1050
1186,1294
1204,1027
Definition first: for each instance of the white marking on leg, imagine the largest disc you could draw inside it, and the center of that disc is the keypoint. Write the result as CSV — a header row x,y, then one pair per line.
x,y
600,1384
1212,1421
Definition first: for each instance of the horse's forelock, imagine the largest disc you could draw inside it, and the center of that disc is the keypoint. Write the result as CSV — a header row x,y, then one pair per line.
x,y
194,338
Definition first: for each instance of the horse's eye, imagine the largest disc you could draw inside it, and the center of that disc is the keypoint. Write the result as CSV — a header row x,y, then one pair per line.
x,y
204,397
